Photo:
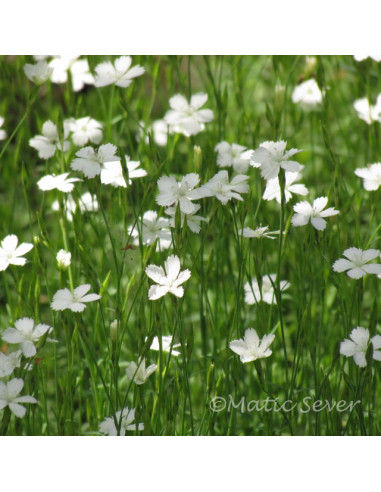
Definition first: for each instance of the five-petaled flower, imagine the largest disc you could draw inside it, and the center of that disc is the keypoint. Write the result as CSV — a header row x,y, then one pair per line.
x,y
357,261
371,176
118,73
125,422
255,294
9,397
47,143
188,118
26,334
84,130
10,254
139,373
223,189
167,345
192,220
305,212
258,232
232,155
271,156
38,73
172,192
358,346
273,189
60,182
308,95
65,299
89,161
251,348
367,112
8,363
169,280
152,228
112,173
79,71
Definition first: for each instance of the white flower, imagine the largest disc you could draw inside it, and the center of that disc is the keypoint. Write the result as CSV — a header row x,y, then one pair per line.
x,y
3,133
232,156
172,192
305,212
112,172
47,143
371,176
307,94
166,345
63,259
367,112
10,254
358,346
80,75
124,420
251,348
87,203
89,161
118,73
220,187
188,118
253,294
79,71
257,233
273,188
193,221
159,131
60,182
138,372
153,228
8,363
359,58
168,280
27,334
60,65
271,156
356,265
38,73
9,397
84,130
64,299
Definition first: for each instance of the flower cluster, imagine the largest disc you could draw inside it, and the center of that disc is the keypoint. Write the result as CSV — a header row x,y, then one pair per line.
x,y
76,145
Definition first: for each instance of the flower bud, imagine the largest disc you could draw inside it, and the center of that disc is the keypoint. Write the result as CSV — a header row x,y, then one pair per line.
x,y
63,259
197,153
114,330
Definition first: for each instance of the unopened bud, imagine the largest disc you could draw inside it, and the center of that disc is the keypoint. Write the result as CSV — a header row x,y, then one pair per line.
x,y
114,330
63,259
197,157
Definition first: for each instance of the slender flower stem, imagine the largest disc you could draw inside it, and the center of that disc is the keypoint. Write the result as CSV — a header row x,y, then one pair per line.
x,y
282,182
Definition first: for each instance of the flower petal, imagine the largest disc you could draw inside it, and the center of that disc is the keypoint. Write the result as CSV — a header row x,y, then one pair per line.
x,y
251,338
342,265
318,223
17,409
356,273
172,267
157,291
156,273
